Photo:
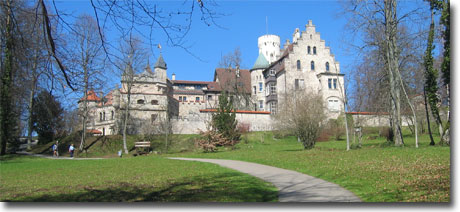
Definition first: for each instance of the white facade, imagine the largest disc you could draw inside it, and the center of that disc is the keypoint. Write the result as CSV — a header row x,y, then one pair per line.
x,y
269,46
306,64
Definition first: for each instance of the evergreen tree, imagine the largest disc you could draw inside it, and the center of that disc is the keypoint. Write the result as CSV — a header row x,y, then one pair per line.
x,y
47,117
224,121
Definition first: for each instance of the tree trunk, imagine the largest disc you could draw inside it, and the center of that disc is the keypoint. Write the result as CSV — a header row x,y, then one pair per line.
x,y
85,111
125,124
428,118
392,66
5,108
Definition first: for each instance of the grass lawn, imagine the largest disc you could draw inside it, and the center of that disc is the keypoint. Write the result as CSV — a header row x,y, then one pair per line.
x,y
152,178
377,172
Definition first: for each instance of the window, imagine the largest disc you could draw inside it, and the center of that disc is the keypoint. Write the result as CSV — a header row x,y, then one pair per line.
x,y
103,116
272,72
335,83
273,107
327,66
309,50
329,83
184,98
180,98
197,99
255,89
140,101
312,65
298,65
112,116
299,84
314,50
272,89
154,117
100,116
260,87
210,97
333,104
311,37
155,102
261,104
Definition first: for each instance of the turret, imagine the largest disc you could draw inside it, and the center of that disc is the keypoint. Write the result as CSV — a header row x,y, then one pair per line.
x,y
269,46
160,69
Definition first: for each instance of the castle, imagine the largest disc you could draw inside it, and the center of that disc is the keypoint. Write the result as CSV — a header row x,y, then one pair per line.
x,y
305,64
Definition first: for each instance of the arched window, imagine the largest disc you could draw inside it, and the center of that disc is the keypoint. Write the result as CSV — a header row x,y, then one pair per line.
x,y
100,116
298,65
312,65
103,116
309,49
327,66
314,49
112,116
140,101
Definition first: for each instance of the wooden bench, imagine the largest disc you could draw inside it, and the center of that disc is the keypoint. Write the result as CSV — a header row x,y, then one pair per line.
x,y
142,147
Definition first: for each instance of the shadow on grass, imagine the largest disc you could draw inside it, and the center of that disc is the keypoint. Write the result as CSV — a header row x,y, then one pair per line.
x,y
226,187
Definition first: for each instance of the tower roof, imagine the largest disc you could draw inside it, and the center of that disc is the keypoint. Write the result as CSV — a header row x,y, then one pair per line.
x,y
160,63
261,62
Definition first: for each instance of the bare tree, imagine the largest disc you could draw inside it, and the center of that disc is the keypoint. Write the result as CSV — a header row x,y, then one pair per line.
x,y
302,114
88,58
133,58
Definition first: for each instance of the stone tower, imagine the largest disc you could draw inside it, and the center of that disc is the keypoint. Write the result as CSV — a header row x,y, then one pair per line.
x,y
258,82
269,46
160,69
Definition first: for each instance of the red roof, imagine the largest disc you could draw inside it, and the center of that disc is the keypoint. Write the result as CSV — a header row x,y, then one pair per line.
x,y
91,96
367,113
229,81
238,111
93,131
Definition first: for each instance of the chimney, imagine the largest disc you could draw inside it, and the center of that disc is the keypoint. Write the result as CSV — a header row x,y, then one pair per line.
x,y
173,76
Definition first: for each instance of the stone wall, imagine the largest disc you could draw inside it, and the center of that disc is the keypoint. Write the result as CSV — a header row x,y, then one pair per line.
x,y
193,123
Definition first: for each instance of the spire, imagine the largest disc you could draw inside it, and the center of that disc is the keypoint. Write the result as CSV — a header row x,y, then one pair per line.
x,y
261,62
147,67
160,62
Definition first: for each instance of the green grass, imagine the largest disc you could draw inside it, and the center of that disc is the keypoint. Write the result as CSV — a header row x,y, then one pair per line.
x,y
377,172
24,178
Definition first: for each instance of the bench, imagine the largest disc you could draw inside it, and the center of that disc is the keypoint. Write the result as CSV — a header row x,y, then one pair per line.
x,y
142,147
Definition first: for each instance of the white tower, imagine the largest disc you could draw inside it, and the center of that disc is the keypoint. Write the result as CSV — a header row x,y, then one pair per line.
x,y
269,46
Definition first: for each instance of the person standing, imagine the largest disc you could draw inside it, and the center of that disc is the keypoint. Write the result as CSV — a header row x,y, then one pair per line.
x,y
71,150
55,149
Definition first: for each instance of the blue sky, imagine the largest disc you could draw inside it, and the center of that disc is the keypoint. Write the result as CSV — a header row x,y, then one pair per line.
x,y
244,23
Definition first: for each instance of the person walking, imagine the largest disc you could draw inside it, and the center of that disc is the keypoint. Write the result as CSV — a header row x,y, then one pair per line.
x,y
55,149
71,150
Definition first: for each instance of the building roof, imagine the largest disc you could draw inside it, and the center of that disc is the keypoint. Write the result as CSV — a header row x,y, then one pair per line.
x,y
261,62
191,82
230,81
189,92
160,63
237,111
91,96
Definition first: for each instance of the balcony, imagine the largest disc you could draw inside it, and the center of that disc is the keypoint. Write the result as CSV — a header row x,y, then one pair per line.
x,y
272,97
270,78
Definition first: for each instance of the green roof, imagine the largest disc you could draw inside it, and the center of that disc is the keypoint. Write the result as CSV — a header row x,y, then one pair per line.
x,y
261,62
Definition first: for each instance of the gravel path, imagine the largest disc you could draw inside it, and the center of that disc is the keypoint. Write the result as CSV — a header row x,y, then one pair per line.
x,y
293,186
